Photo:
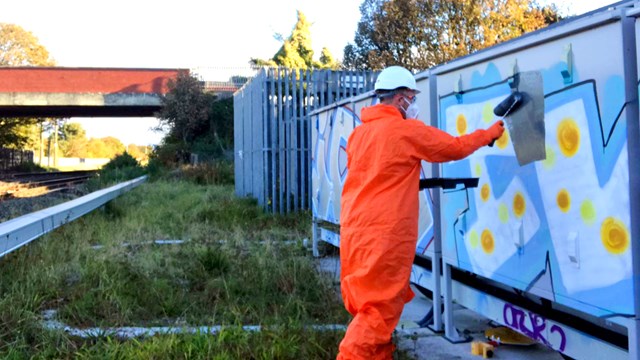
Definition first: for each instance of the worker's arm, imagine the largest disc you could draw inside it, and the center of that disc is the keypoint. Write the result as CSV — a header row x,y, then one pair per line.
x,y
434,145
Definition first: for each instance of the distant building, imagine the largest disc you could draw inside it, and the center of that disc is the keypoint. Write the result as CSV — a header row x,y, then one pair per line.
x,y
224,80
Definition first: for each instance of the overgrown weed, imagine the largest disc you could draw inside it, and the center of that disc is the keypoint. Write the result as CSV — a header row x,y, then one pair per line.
x,y
237,266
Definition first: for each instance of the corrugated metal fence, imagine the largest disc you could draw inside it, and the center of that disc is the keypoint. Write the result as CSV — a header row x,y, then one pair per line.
x,y
272,136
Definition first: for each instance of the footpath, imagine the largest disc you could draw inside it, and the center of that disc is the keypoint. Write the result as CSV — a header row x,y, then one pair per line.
x,y
422,343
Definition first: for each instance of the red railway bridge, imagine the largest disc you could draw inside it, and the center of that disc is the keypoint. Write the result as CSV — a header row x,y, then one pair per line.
x,y
82,92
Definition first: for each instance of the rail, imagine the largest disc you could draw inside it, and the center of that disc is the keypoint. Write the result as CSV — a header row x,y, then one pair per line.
x,y
13,184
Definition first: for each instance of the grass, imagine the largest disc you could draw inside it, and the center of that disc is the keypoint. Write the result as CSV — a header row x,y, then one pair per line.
x,y
238,266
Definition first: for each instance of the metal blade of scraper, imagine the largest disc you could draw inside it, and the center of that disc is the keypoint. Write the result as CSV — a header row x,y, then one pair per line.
x,y
526,124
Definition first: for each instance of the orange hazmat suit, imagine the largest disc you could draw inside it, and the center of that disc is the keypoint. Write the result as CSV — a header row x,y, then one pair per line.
x,y
379,219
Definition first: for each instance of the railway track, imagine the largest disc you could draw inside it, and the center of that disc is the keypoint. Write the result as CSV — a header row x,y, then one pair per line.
x,y
35,184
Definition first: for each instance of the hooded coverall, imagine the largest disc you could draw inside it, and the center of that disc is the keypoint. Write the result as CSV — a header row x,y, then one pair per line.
x,y
379,220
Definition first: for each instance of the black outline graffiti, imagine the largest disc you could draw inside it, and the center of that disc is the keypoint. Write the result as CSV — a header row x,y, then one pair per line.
x,y
605,143
593,83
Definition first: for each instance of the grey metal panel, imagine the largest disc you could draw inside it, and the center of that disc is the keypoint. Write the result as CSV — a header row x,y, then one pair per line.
x,y
331,86
306,140
287,141
435,199
20,231
273,143
238,106
280,161
264,96
320,85
633,147
272,134
256,142
366,94
295,150
300,134
246,134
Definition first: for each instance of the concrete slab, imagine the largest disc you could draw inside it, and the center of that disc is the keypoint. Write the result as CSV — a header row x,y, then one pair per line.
x,y
422,343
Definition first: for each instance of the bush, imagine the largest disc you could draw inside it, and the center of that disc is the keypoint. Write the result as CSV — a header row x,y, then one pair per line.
x,y
169,154
215,173
121,168
28,167
156,168
121,161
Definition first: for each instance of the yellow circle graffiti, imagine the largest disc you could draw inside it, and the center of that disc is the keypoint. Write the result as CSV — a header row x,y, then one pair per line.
x,y
487,113
615,236
486,240
550,160
568,137
503,213
461,124
503,140
485,192
564,200
473,239
588,212
519,205
478,170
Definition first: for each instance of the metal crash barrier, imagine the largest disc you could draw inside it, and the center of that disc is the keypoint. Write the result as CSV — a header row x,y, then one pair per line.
x,y
20,231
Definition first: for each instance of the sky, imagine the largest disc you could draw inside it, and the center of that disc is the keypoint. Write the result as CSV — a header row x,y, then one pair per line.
x,y
201,35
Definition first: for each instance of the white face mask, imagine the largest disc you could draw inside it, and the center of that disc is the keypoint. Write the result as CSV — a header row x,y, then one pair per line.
x,y
412,111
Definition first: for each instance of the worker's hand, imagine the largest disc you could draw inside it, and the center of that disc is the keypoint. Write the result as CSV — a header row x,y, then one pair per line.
x,y
495,131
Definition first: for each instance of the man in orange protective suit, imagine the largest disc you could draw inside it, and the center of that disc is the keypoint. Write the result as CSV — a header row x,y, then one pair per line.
x,y
379,214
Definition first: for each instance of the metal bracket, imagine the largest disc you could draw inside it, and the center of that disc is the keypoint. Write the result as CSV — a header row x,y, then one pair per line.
x,y
457,89
451,334
574,248
513,79
520,243
448,183
567,57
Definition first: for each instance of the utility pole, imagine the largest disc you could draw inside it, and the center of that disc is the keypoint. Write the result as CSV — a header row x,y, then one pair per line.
x,y
55,144
41,142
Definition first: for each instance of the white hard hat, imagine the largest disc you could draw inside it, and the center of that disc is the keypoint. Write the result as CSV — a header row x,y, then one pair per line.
x,y
395,77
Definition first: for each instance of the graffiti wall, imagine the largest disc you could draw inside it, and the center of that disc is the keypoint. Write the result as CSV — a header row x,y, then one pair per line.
x,y
558,227
551,215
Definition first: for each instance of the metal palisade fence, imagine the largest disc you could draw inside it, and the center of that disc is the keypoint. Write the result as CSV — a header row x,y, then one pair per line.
x,y
11,157
272,134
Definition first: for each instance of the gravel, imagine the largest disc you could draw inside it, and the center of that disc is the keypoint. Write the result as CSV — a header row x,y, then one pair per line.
x,y
35,199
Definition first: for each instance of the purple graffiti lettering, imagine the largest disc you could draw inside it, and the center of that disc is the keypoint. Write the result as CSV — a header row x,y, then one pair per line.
x,y
515,318
538,325
563,341
515,314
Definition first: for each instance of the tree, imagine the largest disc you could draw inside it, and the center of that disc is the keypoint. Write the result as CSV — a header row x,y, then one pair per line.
x,y
185,110
107,147
327,60
96,149
419,34
19,47
139,152
195,122
113,146
16,133
73,140
221,120
296,51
